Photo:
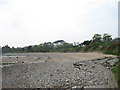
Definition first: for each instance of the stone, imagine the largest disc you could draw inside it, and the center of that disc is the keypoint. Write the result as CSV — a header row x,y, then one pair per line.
x,y
93,66
74,87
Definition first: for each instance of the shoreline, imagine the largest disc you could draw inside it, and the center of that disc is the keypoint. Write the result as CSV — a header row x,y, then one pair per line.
x,y
56,70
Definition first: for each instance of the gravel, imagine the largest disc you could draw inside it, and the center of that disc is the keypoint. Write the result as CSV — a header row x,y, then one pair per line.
x,y
73,74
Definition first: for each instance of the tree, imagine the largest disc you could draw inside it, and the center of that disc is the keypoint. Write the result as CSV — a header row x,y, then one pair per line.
x,y
12,49
86,42
107,37
97,37
29,49
6,49
59,41
47,46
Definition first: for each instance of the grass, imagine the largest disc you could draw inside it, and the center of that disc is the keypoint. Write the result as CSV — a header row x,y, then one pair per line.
x,y
116,72
113,53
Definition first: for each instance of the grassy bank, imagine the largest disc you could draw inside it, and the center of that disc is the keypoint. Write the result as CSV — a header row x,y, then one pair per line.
x,y
116,72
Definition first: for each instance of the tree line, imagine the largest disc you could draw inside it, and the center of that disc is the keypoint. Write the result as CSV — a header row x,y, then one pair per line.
x,y
101,43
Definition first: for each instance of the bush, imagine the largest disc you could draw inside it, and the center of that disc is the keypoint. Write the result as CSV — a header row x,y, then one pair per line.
x,y
116,72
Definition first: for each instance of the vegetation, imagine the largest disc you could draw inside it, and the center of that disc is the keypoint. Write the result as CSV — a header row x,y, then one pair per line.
x,y
100,43
116,71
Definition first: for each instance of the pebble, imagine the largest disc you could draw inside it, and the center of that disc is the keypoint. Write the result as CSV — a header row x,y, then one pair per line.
x,y
50,74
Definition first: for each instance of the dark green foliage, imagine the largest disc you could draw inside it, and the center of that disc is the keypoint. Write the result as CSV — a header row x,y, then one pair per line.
x,y
59,41
114,47
107,37
97,37
86,42
98,43
116,71
6,49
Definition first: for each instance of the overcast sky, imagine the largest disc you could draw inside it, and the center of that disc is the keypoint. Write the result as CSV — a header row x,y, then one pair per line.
x,y
30,22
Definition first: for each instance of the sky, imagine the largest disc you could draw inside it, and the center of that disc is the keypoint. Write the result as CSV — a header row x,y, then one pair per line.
x,y
31,22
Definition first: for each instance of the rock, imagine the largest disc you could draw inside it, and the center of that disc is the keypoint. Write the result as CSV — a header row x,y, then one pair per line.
x,y
51,74
95,80
67,80
90,82
101,83
93,66
106,78
74,87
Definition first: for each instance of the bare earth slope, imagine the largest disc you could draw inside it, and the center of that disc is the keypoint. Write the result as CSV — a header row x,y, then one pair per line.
x,y
69,70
